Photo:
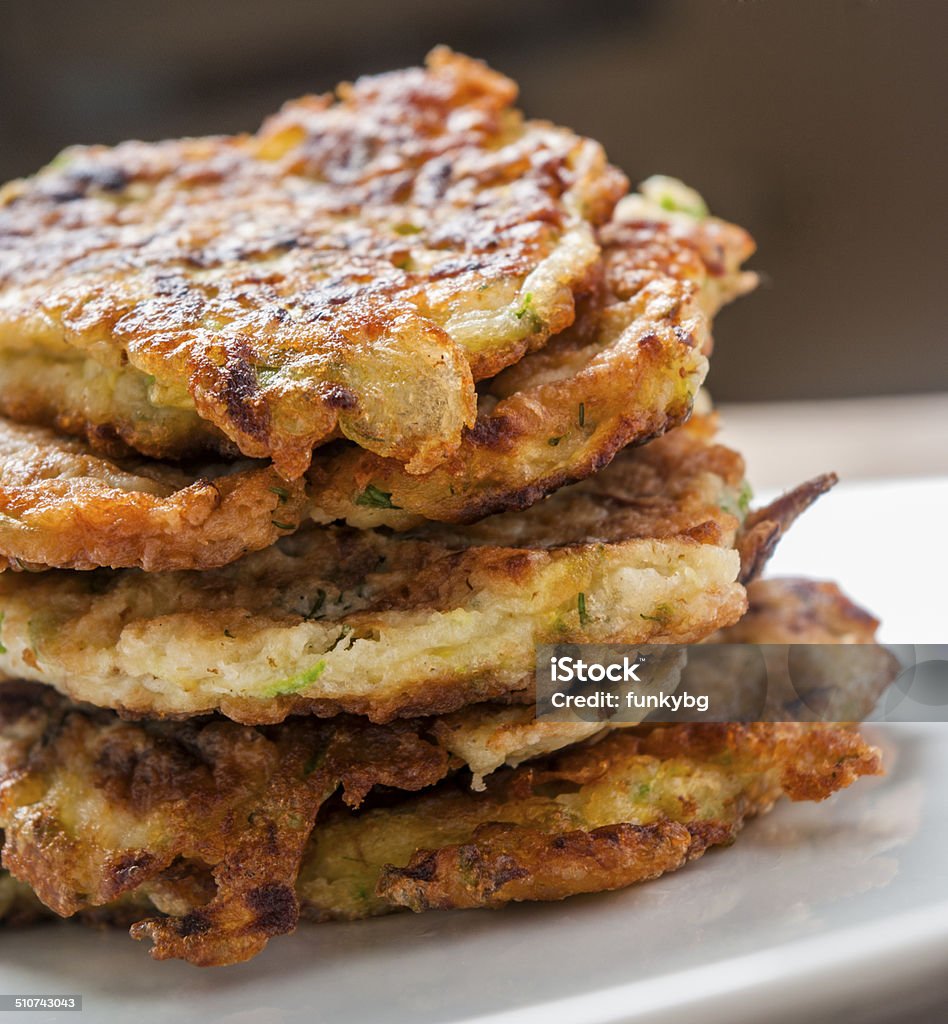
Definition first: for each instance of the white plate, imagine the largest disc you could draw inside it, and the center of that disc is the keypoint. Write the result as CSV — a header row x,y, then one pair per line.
x,y
815,908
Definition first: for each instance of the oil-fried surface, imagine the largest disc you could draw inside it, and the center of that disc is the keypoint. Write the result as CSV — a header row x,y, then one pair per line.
x,y
834,672
828,684
762,529
208,819
627,371
107,781
205,822
384,625
351,268
62,505
795,610
592,818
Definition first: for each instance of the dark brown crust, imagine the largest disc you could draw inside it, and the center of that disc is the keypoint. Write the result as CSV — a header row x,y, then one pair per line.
x,y
502,862
667,500
626,372
763,528
302,281
499,861
227,803
222,812
63,506
789,610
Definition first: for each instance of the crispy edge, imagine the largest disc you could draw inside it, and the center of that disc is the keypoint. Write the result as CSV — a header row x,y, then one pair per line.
x,y
503,863
62,506
762,529
626,373
230,810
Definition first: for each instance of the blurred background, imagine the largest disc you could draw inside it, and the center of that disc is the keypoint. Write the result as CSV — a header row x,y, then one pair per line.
x,y
817,124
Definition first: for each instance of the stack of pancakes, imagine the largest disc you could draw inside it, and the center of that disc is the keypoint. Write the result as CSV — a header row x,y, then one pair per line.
x,y
310,437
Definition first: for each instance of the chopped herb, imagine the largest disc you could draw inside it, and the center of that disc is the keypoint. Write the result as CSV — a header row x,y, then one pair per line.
x,y
317,604
375,498
581,606
3,649
582,413
670,194
738,506
675,205
283,526
528,316
292,684
554,441
661,613
642,790
266,373
407,229
744,498
281,492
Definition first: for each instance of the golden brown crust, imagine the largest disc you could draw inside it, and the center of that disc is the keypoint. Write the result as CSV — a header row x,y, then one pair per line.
x,y
390,625
205,821
63,506
592,818
200,809
626,372
353,267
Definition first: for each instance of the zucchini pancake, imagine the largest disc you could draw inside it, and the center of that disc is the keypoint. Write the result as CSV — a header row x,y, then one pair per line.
x,y
310,436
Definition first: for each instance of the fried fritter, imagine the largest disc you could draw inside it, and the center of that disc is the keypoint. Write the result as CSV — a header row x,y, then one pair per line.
x,y
762,529
195,831
204,814
592,818
352,268
627,371
828,684
56,757
794,610
834,671
62,505
373,623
